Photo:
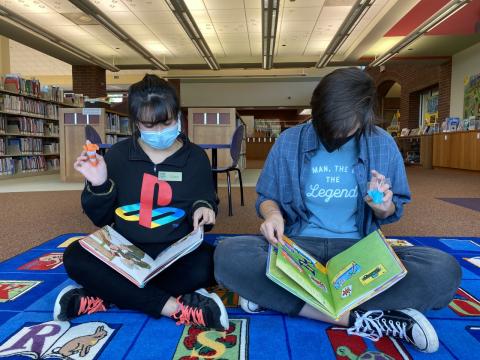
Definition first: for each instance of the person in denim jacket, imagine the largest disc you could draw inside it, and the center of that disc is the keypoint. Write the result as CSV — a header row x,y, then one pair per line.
x,y
313,188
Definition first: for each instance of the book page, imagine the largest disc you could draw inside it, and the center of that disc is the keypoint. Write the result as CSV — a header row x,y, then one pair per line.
x,y
119,253
283,280
362,270
306,271
178,249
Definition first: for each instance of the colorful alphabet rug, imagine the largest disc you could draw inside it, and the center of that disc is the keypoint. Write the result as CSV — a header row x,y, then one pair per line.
x,y
30,282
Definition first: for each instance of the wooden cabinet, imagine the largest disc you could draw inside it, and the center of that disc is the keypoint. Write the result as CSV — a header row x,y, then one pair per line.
x,y
459,150
416,150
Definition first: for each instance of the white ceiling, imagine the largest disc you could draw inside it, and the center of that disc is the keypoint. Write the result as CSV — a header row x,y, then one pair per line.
x,y
231,28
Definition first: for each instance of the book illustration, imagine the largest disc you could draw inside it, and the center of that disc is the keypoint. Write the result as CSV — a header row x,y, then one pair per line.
x,y
129,255
204,344
81,345
58,340
345,275
131,261
465,304
473,260
69,241
319,284
347,291
348,347
12,289
398,242
45,262
372,274
348,279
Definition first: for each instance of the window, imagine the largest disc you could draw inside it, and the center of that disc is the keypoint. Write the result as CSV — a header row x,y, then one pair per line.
x,y
428,107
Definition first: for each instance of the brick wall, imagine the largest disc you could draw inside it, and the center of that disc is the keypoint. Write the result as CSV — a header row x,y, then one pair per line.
x,y
414,78
89,80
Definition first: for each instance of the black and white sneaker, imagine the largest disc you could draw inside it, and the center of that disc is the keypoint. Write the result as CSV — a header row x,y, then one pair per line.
x,y
201,308
74,301
249,306
408,324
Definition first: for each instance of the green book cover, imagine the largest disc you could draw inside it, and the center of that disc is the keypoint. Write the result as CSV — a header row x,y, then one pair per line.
x,y
360,272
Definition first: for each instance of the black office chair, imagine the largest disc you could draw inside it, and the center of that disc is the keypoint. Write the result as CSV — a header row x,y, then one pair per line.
x,y
235,152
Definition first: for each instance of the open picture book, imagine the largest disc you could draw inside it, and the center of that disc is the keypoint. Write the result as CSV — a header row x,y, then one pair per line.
x,y
129,260
350,278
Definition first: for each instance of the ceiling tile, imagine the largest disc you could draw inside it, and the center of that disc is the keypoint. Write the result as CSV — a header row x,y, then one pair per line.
x,y
301,14
296,26
46,19
27,6
134,30
230,27
239,37
73,33
200,16
156,17
107,6
224,4
207,29
252,4
61,6
235,15
146,5
99,32
155,47
124,18
335,12
303,3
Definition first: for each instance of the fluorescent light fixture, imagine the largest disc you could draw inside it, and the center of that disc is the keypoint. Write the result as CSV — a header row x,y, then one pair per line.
x,y
357,12
66,46
269,31
90,9
184,17
441,15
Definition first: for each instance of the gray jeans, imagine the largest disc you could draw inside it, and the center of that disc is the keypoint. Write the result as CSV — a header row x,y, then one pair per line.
x,y
432,280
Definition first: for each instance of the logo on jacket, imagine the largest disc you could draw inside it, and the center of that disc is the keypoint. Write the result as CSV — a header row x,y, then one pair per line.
x,y
144,212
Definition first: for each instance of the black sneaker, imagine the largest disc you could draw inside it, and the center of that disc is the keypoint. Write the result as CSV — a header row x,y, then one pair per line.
x,y
408,324
74,301
202,308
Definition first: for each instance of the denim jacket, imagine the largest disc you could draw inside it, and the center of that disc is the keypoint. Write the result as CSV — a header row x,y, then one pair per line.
x,y
282,178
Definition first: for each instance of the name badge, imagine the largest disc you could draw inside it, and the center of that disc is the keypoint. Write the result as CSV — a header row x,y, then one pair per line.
x,y
169,176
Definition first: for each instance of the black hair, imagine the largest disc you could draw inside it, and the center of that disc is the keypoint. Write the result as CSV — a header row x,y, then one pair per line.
x,y
344,98
152,101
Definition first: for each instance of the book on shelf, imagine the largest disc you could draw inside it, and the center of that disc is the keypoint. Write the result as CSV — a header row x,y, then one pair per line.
x,y
350,278
405,132
130,261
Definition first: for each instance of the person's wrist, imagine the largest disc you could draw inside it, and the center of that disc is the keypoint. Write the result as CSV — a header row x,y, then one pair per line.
x,y
273,214
98,182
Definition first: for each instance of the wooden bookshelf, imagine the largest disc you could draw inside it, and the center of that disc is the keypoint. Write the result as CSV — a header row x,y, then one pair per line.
x,y
421,144
9,116
72,135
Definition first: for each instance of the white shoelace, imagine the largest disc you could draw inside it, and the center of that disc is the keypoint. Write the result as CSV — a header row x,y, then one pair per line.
x,y
372,325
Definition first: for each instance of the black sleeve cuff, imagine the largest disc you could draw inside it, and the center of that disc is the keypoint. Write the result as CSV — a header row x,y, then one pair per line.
x,y
104,189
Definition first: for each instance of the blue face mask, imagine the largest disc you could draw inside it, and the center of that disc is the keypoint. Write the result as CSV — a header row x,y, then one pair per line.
x,y
161,140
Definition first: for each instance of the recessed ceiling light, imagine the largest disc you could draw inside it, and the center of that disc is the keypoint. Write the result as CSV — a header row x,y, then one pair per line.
x,y
284,45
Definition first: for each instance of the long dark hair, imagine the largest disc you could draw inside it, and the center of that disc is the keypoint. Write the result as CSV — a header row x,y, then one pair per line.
x,y
152,101
344,98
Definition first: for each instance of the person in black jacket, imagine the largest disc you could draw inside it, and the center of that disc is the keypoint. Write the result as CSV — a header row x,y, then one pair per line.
x,y
155,188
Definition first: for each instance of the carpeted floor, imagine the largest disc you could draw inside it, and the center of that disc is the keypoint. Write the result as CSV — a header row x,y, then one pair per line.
x,y
469,203
28,219
30,282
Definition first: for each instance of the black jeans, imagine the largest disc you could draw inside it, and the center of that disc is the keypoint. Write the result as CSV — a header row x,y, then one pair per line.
x,y
187,274
431,282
